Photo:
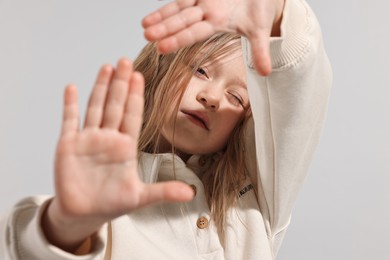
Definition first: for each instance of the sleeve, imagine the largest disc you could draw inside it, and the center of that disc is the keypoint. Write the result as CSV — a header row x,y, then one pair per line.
x,y
289,108
21,237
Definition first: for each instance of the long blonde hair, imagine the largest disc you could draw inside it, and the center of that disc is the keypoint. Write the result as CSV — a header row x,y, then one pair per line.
x,y
166,77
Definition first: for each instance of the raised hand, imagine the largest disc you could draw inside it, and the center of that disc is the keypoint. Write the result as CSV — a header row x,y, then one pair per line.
x,y
96,176
184,22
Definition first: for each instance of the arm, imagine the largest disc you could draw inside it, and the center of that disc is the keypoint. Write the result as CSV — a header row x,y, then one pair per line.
x,y
21,235
96,174
289,110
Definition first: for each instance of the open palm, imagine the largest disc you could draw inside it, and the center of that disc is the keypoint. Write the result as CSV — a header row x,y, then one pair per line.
x,y
96,177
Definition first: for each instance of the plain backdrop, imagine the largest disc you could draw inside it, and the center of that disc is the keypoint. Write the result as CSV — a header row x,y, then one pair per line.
x,y
343,210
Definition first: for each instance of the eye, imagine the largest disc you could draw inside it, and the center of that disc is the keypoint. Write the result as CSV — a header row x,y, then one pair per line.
x,y
236,99
200,72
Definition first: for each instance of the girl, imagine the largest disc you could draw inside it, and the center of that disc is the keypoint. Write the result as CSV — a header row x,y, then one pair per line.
x,y
209,170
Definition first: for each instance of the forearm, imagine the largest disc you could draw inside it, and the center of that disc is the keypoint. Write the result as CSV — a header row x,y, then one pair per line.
x,y
289,109
22,237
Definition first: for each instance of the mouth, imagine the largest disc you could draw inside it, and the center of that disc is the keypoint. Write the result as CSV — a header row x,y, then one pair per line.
x,y
197,118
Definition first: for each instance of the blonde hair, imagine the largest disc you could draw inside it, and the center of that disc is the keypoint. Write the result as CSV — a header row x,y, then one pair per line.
x,y
166,77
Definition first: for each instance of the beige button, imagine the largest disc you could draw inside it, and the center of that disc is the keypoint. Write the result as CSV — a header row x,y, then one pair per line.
x,y
193,187
202,222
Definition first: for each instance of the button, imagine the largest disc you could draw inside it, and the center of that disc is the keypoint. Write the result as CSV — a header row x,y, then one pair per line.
x,y
202,222
193,187
202,161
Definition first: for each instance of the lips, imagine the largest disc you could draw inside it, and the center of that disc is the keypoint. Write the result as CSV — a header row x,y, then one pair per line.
x,y
198,118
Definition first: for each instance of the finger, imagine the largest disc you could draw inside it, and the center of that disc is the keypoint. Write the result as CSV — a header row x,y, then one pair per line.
x,y
117,95
133,116
166,11
70,121
174,23
95,107
172,191
261,52
196,32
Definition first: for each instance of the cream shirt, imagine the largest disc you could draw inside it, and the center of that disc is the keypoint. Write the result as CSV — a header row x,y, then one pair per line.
x,y
289,108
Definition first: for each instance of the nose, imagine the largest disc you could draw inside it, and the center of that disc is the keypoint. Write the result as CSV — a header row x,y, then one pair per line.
x,y
210,99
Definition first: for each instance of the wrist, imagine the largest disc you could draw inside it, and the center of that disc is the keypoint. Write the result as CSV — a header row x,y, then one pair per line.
x,y
279,7
70,234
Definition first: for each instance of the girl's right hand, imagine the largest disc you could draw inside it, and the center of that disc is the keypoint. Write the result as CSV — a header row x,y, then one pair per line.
x,y
96,176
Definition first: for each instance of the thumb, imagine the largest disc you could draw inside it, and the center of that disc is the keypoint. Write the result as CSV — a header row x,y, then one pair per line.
x,y
171,191
261,52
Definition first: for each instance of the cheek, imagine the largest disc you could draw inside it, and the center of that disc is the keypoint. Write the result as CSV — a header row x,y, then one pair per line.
x,y
227,126
189,93
169,119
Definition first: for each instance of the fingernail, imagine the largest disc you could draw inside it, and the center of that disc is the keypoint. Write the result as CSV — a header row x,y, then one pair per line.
x,y
187,191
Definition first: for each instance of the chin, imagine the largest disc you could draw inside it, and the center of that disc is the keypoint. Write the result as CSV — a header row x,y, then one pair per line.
x,y
197,150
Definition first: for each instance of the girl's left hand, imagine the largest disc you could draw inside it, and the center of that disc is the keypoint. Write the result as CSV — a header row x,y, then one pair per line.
x,y
184,22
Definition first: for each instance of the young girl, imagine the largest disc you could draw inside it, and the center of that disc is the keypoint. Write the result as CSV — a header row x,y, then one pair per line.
x,y
209,170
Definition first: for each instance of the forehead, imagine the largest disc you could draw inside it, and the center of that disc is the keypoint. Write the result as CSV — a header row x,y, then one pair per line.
x,y
220,52
219,48
230,65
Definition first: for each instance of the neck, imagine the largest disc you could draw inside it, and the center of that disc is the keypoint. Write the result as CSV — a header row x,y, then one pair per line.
x,y
166,147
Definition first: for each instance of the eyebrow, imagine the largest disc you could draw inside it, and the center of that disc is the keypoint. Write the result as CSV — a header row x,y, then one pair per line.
x,y
238,81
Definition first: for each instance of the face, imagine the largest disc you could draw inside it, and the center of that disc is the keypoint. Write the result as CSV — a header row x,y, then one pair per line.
x,y
214,102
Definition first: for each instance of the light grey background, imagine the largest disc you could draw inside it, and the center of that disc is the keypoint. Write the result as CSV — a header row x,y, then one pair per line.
x,y
343,211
